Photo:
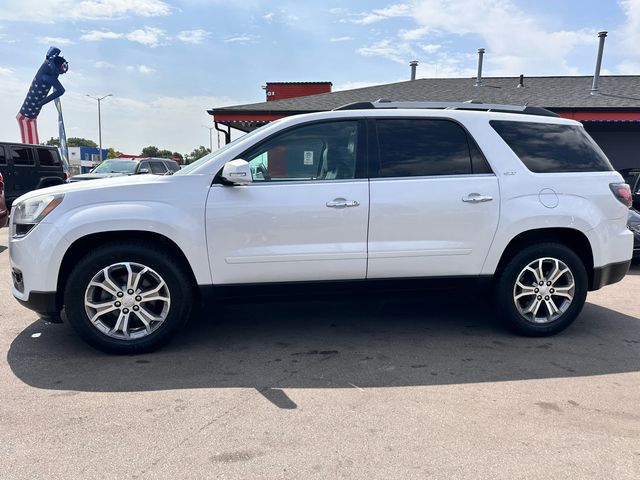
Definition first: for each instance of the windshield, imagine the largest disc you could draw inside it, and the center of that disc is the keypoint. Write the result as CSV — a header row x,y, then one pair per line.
x,y
192,166
116,166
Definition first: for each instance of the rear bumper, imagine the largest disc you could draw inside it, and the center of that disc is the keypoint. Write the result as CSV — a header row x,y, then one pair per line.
x,y
608,274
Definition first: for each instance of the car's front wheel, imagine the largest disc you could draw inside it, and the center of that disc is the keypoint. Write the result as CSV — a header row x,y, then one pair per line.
x,y
542,289
127,298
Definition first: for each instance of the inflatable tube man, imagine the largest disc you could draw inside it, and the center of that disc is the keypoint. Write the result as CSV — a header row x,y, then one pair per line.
x,y
38,96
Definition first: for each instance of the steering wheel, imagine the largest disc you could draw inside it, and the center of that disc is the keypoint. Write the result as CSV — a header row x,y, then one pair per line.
x,y
263,170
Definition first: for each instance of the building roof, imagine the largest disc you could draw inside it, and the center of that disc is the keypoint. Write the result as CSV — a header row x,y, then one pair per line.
x,y
557,93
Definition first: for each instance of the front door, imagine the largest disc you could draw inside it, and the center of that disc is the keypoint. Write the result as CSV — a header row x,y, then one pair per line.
x,y
305,215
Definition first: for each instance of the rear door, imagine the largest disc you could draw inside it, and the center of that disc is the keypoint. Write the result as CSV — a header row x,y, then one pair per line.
x,y
5,170
434,201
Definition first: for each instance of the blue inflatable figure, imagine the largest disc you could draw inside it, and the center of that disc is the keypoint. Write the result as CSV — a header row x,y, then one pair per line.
x,y
38,96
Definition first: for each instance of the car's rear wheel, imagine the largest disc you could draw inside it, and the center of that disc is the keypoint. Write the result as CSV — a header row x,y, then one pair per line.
x,y
542,289
127,298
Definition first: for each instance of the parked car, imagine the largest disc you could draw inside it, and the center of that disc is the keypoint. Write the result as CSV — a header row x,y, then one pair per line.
x,y
633,223
632,177
4,212
118,167
28,167
513,199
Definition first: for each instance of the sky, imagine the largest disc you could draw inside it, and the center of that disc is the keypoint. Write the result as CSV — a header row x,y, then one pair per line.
x,y
167,61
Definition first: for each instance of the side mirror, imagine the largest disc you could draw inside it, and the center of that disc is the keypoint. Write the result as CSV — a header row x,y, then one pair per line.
x,y
143,170
237,172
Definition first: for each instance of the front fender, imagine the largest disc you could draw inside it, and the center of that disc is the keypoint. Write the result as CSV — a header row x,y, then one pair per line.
x,y
183,226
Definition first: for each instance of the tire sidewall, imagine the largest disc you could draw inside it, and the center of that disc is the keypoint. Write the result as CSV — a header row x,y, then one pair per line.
x,y
510,273
160,261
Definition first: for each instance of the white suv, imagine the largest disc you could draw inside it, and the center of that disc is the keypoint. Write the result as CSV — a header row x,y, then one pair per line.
x,y
367,194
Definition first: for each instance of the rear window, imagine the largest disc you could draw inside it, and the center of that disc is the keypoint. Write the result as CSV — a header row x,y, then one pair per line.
x,y
47,157
552,148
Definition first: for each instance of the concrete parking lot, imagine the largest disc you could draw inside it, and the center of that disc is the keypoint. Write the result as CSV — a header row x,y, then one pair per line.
x,y
354,388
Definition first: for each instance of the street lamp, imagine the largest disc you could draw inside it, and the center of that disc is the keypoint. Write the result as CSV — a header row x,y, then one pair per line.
x,y
99,99
210,138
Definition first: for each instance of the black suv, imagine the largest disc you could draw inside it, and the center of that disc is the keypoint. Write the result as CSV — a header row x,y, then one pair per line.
x,y
117,167
29,167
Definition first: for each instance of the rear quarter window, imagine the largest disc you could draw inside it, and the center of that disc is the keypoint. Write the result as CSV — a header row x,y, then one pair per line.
x,y
48,158
552,148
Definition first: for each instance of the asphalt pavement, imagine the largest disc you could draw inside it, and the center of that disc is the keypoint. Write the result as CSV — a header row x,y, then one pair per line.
x,y
364,388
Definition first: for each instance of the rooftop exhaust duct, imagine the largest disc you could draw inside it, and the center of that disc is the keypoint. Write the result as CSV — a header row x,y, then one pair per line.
x,y
479,77
595,87
413,64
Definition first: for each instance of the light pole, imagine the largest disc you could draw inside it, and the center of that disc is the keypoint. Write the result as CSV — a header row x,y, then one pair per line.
x,y
210,137
99,99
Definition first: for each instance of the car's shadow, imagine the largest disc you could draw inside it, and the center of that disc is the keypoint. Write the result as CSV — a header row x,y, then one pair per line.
x,y
2,248
333,344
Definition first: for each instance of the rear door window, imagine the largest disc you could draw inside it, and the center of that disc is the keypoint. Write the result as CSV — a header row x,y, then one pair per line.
x,y
3,158
48,157
22,157
172,166
158,168
552,148
411,147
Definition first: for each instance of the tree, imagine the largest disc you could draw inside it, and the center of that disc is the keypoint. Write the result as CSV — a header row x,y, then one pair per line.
x,y
73,142
113,153
197,153
150,151
81,142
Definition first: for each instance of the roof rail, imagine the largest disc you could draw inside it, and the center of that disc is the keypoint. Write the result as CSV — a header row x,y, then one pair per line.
x,y
469,105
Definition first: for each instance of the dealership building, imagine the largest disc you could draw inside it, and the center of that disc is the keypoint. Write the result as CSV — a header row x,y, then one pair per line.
x,y
608,108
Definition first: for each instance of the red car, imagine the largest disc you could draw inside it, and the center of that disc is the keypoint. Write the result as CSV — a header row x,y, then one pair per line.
x,y
4,213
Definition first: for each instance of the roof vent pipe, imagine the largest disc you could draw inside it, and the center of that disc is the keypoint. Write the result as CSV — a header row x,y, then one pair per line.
x,y
595,88
479,77
521,82
413,64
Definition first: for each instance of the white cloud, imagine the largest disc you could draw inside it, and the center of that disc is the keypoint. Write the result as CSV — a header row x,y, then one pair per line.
x,y
389,49
268,17
631,28
341,39
57,41
61,10
352,85
103,64
149,36
193,36
145,69
5,71
239,39
515,41
97,35
398,10
430,48
628,68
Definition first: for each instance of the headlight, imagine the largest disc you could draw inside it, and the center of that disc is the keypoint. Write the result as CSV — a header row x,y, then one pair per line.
x,y
28,213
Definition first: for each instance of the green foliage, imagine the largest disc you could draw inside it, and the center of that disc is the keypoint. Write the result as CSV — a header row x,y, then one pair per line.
x,y
54,142
197,153
113,153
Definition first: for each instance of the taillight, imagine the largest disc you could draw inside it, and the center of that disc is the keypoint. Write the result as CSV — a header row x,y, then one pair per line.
x,y
622,192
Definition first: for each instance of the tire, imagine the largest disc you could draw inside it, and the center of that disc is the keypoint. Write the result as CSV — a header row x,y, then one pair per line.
x,y
125,322
518,290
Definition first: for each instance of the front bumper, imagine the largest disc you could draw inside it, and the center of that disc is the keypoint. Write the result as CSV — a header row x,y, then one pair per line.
x,y
608,274
45,304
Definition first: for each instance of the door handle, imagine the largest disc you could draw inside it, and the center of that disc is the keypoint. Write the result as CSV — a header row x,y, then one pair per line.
x,y
342,203
476,198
